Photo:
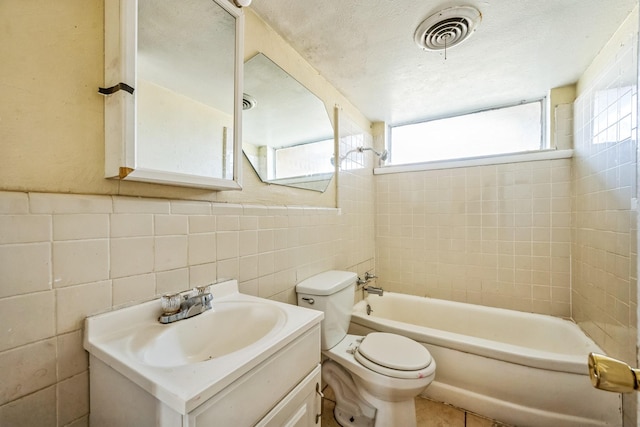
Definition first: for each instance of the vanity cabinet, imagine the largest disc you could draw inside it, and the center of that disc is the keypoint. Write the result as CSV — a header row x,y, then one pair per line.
x,y
222,367
283,390
301,407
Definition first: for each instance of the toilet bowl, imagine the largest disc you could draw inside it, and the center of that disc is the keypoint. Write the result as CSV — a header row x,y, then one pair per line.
x,y
401,368
376,377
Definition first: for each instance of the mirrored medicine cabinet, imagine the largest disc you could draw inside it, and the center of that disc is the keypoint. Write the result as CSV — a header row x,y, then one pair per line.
x,y
287,134
177,119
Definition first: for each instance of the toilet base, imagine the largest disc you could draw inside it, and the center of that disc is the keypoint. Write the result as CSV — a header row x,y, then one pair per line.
x,y
351,409
348,419
391,414
356,407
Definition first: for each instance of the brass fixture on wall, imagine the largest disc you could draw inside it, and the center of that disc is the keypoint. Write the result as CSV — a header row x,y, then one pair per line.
x,y
611,374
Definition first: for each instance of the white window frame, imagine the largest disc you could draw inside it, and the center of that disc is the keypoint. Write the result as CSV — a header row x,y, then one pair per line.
x,y
542,154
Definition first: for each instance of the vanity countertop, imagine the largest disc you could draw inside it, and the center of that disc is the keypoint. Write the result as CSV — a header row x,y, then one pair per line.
x,y
111,337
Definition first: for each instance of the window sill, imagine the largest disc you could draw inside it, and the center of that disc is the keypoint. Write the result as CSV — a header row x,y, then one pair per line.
x,y
530,156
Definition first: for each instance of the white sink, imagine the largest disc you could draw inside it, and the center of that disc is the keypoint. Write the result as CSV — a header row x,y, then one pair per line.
x,y
227,328
187,362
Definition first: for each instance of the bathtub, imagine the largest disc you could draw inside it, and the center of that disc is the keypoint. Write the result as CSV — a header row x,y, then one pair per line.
x,y
520,368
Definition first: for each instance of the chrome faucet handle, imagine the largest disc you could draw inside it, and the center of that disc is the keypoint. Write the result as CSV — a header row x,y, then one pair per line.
x,y
171,303
202,289
368,276
205,297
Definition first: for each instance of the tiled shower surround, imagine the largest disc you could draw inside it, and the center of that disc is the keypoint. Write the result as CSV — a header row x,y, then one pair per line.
x,y
496,235
604,250
604,242
554,237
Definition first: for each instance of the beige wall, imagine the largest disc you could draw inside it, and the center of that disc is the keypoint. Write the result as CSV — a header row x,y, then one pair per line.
x,y
52,129
66,256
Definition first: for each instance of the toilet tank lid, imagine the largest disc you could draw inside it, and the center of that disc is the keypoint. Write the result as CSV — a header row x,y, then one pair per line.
x,y
326,283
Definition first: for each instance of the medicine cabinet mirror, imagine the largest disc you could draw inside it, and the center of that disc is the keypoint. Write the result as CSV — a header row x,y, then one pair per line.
x,y
287,134
178,119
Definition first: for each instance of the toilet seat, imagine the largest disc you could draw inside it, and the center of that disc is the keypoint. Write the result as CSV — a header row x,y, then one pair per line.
x,y
394,356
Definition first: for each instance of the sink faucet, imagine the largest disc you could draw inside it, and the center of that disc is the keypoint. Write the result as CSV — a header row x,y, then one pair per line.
x,y
189,305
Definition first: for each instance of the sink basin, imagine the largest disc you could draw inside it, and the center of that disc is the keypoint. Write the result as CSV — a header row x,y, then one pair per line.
x,y
185,363
227,328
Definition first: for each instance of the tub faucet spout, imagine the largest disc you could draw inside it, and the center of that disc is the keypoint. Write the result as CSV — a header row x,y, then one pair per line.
x,y
374,290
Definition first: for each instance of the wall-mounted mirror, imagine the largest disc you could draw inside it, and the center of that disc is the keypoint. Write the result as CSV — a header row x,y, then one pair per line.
x,y
287,133
181,125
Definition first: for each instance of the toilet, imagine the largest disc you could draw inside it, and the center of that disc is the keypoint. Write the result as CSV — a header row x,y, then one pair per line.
x,y
376,377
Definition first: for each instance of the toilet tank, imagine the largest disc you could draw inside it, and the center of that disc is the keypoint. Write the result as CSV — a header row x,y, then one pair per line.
x,y
331,292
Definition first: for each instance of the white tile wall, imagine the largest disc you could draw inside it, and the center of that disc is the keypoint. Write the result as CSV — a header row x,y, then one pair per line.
x,y
27,369
25,268
604,248
64,257
357,197
73,398
37,409
129,256
133,288
20,325
80,261
496,235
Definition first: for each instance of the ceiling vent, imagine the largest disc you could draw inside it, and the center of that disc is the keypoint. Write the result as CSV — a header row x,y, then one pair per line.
x,y
248,102
447,28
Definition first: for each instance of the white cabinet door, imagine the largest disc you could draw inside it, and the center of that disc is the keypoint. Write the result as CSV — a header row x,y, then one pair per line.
x,y
256,394
300,408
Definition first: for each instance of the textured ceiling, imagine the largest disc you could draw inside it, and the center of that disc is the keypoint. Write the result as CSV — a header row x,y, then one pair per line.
x,y
521,49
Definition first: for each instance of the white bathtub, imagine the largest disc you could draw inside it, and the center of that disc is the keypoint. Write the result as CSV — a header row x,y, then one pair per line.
x,y
519,368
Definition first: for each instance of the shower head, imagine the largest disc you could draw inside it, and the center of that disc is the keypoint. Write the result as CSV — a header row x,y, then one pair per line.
x,y
383,155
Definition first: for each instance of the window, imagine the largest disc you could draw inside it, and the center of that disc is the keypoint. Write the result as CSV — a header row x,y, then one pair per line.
x,y
499,131
304,159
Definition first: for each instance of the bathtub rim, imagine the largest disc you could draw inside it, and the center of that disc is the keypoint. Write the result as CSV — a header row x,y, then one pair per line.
x,y
520,355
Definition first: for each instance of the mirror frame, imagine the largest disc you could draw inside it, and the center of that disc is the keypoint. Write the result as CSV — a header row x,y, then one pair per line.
x,y
121,36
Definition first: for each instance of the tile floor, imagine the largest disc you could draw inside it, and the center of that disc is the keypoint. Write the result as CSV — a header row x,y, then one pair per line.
x,y
428,414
